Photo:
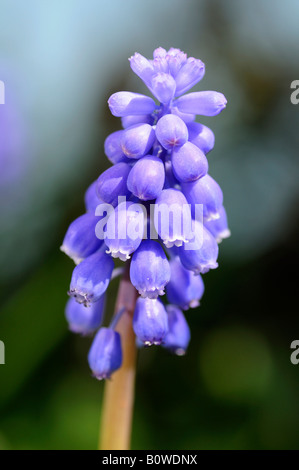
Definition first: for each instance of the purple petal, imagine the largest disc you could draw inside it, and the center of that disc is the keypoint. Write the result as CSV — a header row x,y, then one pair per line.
x,y
112,148
149,269
189,74
205,191
171,131
137,140
201,136
125,103
178,336
163,87
113,183
128,121
105,354
146,179
142,67
206,103
150,322
189,163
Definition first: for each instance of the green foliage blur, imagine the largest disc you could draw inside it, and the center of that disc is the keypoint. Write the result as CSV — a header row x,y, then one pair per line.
x,y
236,388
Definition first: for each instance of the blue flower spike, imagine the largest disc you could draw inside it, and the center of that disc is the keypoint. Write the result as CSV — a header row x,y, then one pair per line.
x,y
156,209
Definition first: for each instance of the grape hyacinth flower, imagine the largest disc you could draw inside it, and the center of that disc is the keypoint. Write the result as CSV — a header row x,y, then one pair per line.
x,y
185,289
205,191
144,210
85,319
150,321
150,270
120,240
172,217
91,277
80,240
204,253
219,227
178,335
105,355
147,177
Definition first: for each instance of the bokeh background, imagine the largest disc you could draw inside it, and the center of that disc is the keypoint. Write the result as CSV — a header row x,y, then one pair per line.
x,y
60,61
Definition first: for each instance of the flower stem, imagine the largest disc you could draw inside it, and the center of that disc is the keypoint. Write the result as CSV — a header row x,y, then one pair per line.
x,y
115,432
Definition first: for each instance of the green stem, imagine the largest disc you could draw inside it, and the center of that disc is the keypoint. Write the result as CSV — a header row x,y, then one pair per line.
x,y
116,422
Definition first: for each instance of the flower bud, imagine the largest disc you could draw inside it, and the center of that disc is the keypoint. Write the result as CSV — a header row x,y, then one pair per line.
x,y
137,140
204,252
172,217
160,65
125,103
113,183
205,191
201,136
188,75
150,321
80,240
178,336
105,354
84,320
91,198
171,131
91,278
186,117
124,230
206,103
219,227
142,67
189,163
184,288
179,55
149,270
146,179
163,87
128,121
174,65
112,148
160,52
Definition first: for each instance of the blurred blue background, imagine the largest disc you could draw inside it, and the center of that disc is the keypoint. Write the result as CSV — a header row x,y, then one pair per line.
x,y
60,61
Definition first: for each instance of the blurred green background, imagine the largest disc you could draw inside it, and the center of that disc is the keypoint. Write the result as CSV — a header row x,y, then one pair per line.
x,y
60,61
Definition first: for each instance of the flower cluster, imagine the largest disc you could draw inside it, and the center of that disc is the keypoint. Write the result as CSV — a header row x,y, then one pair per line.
x,y
158,180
